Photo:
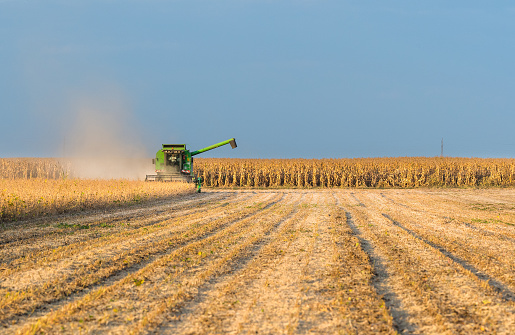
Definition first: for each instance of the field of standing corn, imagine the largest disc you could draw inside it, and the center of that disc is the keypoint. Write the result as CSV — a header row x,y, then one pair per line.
x,y
398,172
403,172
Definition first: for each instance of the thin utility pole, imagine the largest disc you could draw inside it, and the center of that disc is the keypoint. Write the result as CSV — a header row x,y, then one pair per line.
x,y
441,152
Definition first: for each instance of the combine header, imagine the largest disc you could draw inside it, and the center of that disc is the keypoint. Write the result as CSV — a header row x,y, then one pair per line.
x,y
175,163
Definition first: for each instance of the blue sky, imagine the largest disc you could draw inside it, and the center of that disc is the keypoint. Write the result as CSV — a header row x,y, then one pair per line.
x,y
287,79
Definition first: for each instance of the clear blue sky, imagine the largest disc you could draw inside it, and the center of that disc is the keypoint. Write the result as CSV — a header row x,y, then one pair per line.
x,y
288,79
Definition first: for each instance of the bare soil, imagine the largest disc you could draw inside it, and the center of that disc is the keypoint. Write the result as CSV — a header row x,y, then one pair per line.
x,y
323,261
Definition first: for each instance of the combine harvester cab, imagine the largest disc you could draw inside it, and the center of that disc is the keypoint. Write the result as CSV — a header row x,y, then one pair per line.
x,y
175,163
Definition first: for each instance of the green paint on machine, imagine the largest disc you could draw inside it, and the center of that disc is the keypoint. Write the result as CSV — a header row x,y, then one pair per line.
x,y
174,162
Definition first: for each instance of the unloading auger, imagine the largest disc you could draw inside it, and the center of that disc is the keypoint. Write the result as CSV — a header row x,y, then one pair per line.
x,y
175,163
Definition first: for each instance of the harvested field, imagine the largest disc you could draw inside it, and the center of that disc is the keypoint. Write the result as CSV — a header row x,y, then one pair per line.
x,y
425,261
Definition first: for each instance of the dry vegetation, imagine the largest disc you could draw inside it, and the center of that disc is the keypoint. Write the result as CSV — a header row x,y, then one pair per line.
x,y
23,198
27,168
277,261
321,261
364,172
31,187
400,172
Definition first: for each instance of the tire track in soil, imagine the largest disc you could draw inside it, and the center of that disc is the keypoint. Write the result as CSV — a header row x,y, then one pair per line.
x,y
353,195
65,261
481,259
202,314
419,317
160,306
240,252
487,232
113,213
381,279
432,292
37,323
483,196
135,231
208,221
63,233
280,278
303,315
48,231
505,292
444,289
125,271
306,295
441,206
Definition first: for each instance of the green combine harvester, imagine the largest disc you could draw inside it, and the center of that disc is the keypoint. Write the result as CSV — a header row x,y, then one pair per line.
x,y
175,163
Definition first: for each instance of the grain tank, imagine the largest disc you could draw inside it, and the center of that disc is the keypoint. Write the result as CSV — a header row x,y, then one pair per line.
x,y
174,162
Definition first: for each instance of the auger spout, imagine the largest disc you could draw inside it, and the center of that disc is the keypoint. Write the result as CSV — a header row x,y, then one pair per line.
x,y
175,163
232,141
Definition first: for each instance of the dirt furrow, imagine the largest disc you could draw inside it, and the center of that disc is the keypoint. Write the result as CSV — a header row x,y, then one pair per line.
x,y
325,261
137,230
168,281
267,304
455,215
32,228
489,257
468,264
490,220
65,232
451,299
247,303
18,302
368,278
209,312
502,197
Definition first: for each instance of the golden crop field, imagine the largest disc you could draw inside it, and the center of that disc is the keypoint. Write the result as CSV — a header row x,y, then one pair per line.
x,y
25,198
400,172
27,168
328,248
273,261
31,187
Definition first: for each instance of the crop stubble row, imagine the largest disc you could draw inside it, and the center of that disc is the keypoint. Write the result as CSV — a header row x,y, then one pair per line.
x,y
441,295
112,255
289,261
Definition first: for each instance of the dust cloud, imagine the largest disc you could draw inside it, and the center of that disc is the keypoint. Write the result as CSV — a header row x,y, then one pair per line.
x,y
103,141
